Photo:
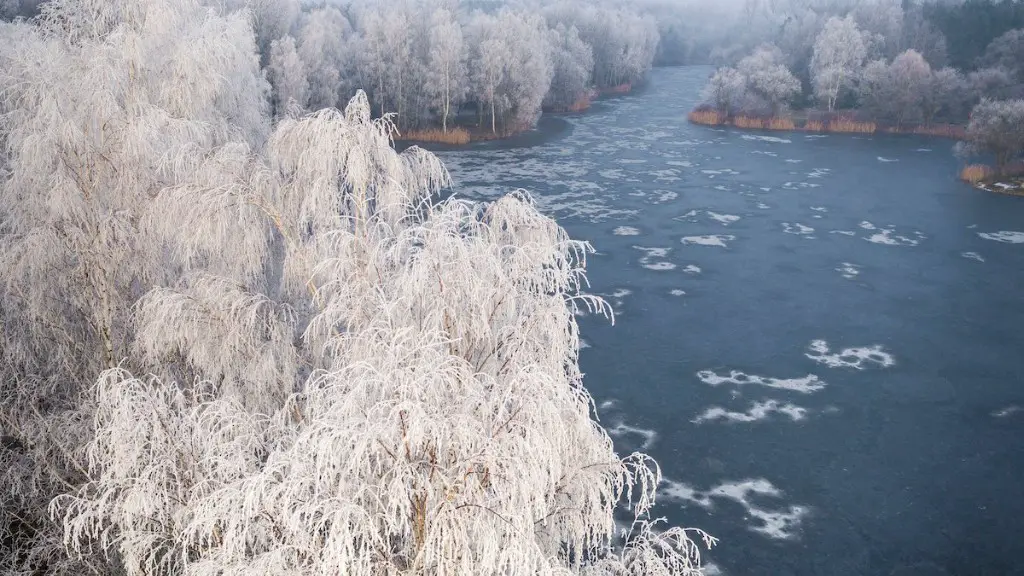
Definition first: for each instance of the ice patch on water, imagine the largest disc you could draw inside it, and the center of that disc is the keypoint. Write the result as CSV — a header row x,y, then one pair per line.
x,y
651,253
799,185
883,159
678,292
1009,410
923,150
887,238
763,206
660,266
843,232
972,256
798,229
611,174
721,188
778,525
691,269
622,429
626,231
1004,236
631,161
620,293
681,163
819,209
725,219
757,412
805,385
666,196
793,161
584,344
606,404
867,225
849,271
710,240
668,175
857,358
818,172
766,153
766,138
815,136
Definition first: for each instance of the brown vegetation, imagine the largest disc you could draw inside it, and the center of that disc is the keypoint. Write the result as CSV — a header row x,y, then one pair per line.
x,y
811,121
983,173
454,136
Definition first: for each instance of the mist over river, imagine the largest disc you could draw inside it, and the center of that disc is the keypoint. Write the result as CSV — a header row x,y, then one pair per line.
x,y
819,338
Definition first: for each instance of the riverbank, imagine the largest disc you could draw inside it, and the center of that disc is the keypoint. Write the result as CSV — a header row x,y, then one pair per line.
x,y
821,122
984,177
463,134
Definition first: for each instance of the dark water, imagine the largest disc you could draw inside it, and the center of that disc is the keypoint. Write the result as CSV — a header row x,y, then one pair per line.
x,y
903,457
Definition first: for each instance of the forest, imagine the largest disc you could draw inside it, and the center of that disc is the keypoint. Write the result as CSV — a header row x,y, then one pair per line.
x,y
950,69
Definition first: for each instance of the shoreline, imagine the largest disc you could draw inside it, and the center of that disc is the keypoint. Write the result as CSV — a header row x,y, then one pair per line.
x,y
837,124
461,135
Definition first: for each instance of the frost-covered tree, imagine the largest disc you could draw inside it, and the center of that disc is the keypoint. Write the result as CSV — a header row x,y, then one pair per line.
x,y
324,46
447,75
1007,52
573,63
996,127
726,91
108,108
839,53
768,79
897,91
946,96
287,75
991,83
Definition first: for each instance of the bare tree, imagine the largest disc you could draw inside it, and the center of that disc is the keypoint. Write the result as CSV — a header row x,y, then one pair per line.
x,y
839,53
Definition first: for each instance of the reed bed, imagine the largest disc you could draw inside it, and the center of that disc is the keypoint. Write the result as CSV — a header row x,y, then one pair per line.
x,y
707,117
849,125
455,136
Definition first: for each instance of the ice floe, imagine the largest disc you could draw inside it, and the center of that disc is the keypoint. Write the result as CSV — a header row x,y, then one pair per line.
x,y
763,206
677,292
710,240
652,253
805,385
1009,410
797,228
844,232
888,236
626,231
621,429
858,358
766,138
884,159
725,219
692,269
1005,236
849,271
757,412
972,256
776,524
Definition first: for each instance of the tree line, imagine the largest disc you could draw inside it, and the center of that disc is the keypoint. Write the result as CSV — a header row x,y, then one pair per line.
x,y
886,60
425,61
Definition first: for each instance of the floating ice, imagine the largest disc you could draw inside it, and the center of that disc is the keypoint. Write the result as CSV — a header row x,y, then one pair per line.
x,y
819,209
972,256
622,429
766,153
849,357
763,206
584,344
805,385
818,172
682,163
606,404
667,195
883,159
766,138
659,266
725,219
849,271
620,293
711,240
798,229
923,150
887,238
793,161
843,232
867,225
758,411
1004,236
691,269
1007,411
779,525
678,292
626,231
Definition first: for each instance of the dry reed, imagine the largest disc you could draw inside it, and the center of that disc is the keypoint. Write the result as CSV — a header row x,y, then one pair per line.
x,y
850,125
452,136
707,117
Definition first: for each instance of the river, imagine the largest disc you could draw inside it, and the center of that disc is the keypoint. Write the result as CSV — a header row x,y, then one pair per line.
x,y
818,337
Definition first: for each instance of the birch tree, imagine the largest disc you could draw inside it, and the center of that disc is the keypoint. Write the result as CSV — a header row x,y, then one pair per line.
x,y
726,91
324,46
839,53
447,72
